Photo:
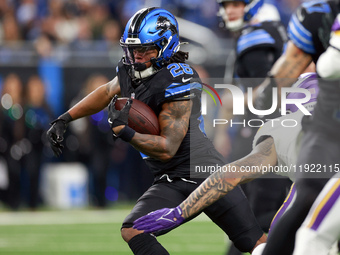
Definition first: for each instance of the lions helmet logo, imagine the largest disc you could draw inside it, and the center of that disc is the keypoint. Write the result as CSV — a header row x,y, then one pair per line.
x,y
164,24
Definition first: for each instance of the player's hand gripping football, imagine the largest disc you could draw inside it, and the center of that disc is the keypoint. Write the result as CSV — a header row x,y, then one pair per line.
x,y
116,117
160,220
55,135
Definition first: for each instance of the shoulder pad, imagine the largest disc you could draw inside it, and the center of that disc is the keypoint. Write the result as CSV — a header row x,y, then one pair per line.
x,y
252,38
179,81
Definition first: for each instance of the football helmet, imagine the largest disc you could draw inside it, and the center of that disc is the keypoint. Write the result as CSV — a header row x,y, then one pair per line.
x,y
250,9
150,28
306,81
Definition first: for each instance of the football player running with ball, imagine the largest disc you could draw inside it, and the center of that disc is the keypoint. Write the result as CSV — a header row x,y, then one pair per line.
x,y
154,71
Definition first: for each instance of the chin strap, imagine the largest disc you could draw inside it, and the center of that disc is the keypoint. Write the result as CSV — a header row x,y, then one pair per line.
x,y
139,66
145,73
235,24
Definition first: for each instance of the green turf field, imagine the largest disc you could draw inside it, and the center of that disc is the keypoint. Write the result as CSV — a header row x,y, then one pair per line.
x,y
96,232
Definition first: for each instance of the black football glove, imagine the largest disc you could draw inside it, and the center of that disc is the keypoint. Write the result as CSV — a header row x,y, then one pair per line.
x,y
55,135
116,117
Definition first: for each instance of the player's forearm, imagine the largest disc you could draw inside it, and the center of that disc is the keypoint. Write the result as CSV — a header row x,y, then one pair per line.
x,y
92,103
290,65
211,190
157,147
220,183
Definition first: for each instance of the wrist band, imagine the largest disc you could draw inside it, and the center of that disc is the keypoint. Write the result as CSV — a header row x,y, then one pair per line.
x,y
126,134
65,117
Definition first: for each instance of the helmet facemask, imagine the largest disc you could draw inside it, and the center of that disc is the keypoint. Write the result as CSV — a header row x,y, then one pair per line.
x,y
130,51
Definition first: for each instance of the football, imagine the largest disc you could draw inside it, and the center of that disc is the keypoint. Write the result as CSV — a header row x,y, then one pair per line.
x,y
142,118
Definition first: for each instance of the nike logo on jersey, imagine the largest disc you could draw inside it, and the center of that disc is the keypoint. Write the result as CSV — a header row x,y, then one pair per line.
x,y
109,120
186,80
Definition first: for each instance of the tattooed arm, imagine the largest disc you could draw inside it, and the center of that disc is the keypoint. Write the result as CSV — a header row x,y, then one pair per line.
x,y
174,123
290,65
220,183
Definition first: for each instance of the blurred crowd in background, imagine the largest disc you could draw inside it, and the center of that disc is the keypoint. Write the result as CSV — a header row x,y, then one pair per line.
x,y
49,60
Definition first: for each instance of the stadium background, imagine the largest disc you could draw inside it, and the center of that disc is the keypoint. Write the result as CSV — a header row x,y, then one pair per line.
x,y
64,44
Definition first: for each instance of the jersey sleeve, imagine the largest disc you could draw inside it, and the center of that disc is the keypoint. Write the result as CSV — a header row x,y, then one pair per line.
x,y
304,24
